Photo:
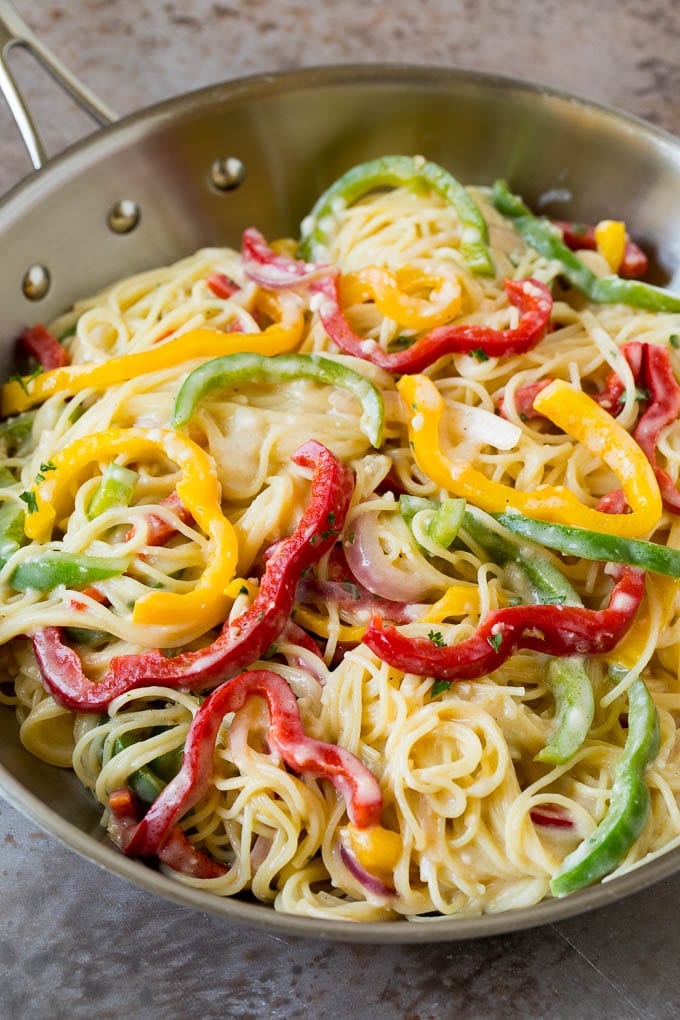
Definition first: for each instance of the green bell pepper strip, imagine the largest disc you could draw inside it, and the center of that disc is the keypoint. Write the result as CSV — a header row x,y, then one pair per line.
x,y
411,172
235,369
593,545
12,536
17,429
547,584
84,636
567,678
540,234
574,708
52,569
115,488
143,781
629,803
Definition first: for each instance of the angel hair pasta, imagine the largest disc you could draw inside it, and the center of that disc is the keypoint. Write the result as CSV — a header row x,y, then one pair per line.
x,y
344,572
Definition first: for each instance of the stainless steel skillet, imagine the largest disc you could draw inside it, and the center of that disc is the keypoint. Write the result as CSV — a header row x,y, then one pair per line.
x,y
196,171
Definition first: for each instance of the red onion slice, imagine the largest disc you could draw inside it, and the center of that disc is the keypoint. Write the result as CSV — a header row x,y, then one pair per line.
x,y
275,272
551,816
370,882
374,569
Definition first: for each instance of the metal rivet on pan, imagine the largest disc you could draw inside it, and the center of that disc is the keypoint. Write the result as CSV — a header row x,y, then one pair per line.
x,y
36,282
227,174
123,216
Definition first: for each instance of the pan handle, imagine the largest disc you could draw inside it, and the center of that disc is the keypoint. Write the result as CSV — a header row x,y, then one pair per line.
x,y
15,32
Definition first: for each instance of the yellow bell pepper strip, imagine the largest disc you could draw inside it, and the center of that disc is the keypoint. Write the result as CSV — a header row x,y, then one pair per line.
x,y
389,289
628,651
579,236
458,600
572,411
416,174
198,490
530,297
610,239
319,624
283,335
242,641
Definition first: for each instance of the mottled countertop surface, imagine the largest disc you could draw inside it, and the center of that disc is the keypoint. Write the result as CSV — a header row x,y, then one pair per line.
x,y
77,942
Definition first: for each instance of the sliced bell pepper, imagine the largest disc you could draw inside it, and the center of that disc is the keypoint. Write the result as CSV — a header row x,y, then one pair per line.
x,y
282,335
531,298
579,236
198,490
557,630
595,545
389,290
572,690
547,240
300,753
42,345
653,375
242,641
12,534
50,570
414,173
576,414
234,369
567,678
115,489
629,802
610,241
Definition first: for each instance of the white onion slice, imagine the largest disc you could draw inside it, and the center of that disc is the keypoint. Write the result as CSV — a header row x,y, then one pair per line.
x,y
481,426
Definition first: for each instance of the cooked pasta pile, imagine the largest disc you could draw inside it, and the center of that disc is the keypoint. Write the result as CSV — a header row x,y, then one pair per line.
x,y
470,813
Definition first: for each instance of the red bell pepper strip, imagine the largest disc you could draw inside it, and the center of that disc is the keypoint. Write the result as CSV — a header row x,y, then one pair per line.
x,y
558,630
581,236
159,531
275,272
222,285
524,397
242,642
532,298
653,374
42,345
177,852
301,753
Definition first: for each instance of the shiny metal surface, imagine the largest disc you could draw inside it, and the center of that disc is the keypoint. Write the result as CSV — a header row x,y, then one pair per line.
x,y
14,32
294,133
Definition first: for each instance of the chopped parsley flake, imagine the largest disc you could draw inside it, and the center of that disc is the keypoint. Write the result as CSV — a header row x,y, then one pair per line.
x,y
25,380
495,640
439,687
30,501
437,638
